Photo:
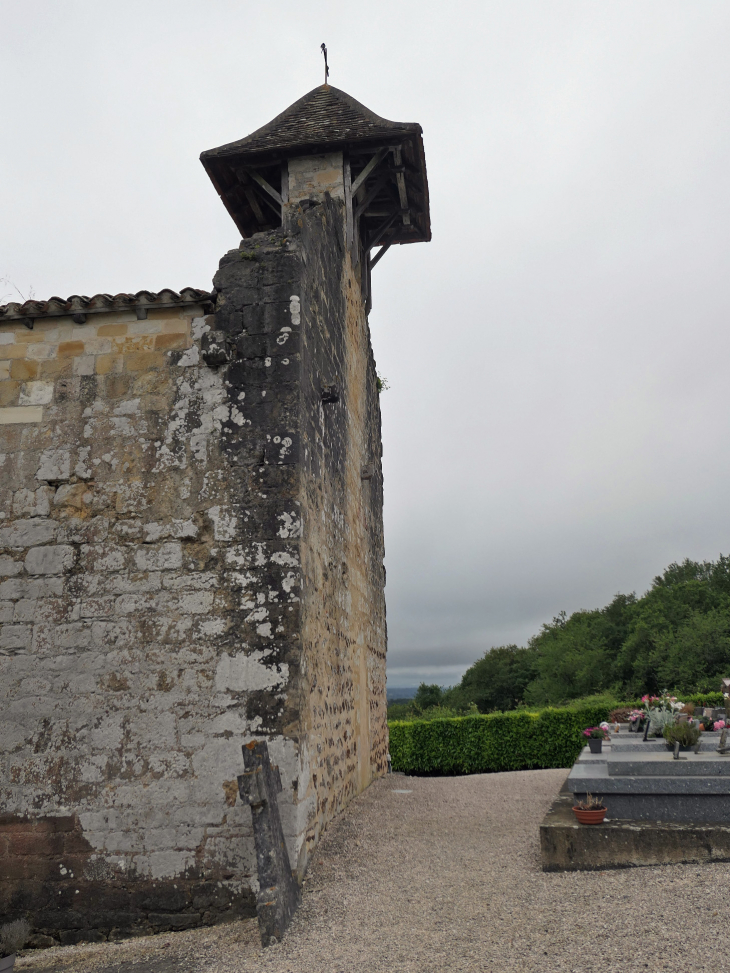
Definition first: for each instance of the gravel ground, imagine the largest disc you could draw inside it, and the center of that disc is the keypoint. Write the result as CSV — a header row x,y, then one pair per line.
x,y
447,877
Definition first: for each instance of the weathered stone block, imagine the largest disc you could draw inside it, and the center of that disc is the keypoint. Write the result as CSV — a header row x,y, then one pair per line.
x,y
167,557
9,567
50,560
32,503
16,636
25,610
26,533
55,464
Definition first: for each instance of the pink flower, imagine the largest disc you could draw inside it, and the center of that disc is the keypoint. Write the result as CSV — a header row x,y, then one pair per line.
x,y
720,725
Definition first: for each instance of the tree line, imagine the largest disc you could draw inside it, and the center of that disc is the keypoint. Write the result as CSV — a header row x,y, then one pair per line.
x,y
676,636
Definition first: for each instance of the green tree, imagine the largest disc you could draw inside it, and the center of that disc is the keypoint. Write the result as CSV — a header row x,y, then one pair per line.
x,y
497,681
573,659
427,696
676,636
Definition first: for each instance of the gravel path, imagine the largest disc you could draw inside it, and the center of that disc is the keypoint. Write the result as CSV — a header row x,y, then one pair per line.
x,y
447,877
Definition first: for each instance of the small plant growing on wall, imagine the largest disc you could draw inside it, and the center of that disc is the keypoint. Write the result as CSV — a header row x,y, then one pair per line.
x,y
382,383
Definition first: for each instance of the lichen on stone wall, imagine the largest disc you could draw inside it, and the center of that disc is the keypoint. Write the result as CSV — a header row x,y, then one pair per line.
x,y
189,558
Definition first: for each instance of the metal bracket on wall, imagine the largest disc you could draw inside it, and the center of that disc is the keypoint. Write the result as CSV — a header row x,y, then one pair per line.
x,y
330,393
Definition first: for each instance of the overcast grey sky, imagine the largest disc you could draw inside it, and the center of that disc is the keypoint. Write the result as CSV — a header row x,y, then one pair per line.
x,y
558,422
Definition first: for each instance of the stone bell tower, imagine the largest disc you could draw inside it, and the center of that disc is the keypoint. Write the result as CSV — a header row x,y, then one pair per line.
x,y
328,143
313,193
191,542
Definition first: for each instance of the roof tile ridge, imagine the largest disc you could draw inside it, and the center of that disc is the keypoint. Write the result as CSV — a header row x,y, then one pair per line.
x,y
76,303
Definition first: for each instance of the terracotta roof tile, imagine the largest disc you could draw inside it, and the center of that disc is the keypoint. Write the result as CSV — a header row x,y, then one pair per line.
x,y
79,304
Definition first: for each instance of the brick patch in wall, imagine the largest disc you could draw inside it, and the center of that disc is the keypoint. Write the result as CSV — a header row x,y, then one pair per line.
x,y
44,867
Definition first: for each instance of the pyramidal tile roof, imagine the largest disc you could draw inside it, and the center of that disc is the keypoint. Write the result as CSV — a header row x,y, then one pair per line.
x,y
324,117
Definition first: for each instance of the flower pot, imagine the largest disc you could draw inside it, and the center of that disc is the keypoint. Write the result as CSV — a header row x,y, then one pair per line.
x,y
595,745
7,963
590,817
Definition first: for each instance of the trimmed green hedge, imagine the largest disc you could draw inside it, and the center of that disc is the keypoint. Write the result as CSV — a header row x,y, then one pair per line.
x,y
499,741
702,699
502,741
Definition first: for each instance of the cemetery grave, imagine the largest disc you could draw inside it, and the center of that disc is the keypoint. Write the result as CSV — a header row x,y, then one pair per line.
x,y
663,805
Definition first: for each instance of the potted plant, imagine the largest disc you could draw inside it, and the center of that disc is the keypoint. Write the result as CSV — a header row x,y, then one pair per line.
x,y
590,811
596,735
637,719
13,936
661,712
685,734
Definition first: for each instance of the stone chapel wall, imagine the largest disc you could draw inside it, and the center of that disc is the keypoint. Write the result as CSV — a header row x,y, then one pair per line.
x,y
190,556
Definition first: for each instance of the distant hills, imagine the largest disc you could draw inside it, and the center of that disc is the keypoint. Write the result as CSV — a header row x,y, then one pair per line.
x,y
399,692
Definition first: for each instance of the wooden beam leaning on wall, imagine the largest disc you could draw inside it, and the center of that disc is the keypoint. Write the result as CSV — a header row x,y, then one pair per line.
x,y
375,161
265,186
381,253
279,895
258,191
251,196
349,229
401,181
352,188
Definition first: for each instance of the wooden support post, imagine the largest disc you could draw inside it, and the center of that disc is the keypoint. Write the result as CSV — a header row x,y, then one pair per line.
x,y
370,195
365,278
347,178
375,161
366,271
382,230
285,182
265,185
276,210
251,197
381,253
401,180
